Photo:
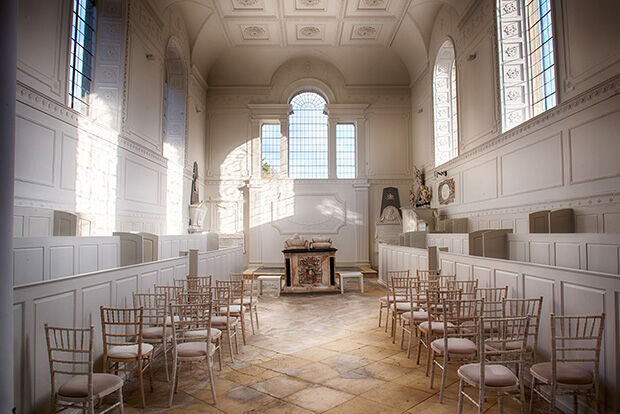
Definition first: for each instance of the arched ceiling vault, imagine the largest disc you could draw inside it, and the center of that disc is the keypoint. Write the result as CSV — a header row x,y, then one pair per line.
x,y
372,42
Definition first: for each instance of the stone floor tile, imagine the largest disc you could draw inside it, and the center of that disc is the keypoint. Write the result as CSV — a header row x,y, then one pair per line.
x,y
318,398
396,395
281,386
359,405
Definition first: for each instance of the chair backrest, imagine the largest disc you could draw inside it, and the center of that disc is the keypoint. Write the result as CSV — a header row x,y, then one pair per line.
x,y
444,279
197,282
193,316
530,307
468,287
420,288
493,300
401,289
236,288
457,312
70,352
121,326
391,274
250,288
577,339
154,305
434,300
173,293
509,338
426,274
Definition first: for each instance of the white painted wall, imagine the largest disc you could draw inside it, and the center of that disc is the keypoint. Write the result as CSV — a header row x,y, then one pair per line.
x,y
565,157
108,164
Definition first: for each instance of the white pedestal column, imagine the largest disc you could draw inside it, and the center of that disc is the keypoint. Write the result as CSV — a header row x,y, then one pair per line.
x,y
8,56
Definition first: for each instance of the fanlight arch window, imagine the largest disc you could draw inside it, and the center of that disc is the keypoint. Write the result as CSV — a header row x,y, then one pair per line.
x,y
308,137
445,105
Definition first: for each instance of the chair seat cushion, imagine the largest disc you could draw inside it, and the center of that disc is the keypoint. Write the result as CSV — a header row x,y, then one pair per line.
x,y
417,315
458,346
194,349
398,299
403,306
103,384
233,309
220,321
246,301
129,351
495,375
436,327
155,332
510,345
566,373
202,333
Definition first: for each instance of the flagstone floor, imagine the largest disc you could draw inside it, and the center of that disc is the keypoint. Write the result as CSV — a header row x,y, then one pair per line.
x,y
312,353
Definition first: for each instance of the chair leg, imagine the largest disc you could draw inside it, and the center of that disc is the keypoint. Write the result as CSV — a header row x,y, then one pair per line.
x,y
256,314
533,393
402,333
174,380
419,349
411,328
432,368
140,381
380,312
243,328
252,321
500,404
552,399
387,317
219,351
459,408
480,400
151,372
164,345
428,354
121,404
444,375
230,345
575,403
236,339
212,379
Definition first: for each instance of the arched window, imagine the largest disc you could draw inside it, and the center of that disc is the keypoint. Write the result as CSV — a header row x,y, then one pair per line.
x,y
444,104
308,137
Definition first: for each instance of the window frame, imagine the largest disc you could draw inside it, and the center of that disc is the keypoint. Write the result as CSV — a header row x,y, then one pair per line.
x,y
453,117
73,56
326,173
279,169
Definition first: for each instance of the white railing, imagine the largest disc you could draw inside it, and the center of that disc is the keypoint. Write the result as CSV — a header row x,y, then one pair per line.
x,y
564,291
70,301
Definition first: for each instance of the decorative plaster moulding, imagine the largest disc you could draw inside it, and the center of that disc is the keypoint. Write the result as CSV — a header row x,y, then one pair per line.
x,y
248,4
365,31
310,32
254,32
373,4
310,4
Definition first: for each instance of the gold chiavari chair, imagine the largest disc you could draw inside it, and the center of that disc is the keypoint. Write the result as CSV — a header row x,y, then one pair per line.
x,y
467,287
524,307
222,318
457,344
155,314
432,327
575,357
192,339
417,315
176,294
385,302
250,295
492,374
202,295
194,283
123,343
70,352
236,295
493,302
401,289
444,280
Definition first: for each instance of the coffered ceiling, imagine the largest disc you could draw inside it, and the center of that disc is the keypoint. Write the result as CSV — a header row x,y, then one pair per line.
x,y
224,33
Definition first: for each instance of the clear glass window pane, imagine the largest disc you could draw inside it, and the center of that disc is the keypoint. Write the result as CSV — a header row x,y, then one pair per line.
x,y
308,137
345,151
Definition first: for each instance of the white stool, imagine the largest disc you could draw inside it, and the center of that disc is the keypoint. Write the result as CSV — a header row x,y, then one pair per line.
x,y
269,278
351,275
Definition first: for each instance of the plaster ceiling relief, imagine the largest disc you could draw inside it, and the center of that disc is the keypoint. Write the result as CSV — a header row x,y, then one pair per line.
x,y
254,32
365,31
310,4
310,32
248,4
372,4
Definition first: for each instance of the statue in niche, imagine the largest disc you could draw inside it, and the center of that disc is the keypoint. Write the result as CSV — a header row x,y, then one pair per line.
x,y
197,208
419,194
194,198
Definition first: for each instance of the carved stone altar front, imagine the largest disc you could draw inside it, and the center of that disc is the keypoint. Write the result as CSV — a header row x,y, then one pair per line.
x,y
310,270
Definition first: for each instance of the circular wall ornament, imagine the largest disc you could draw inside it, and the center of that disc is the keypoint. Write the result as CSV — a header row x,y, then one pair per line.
x,y
446,191
365,31
310,31
254,32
